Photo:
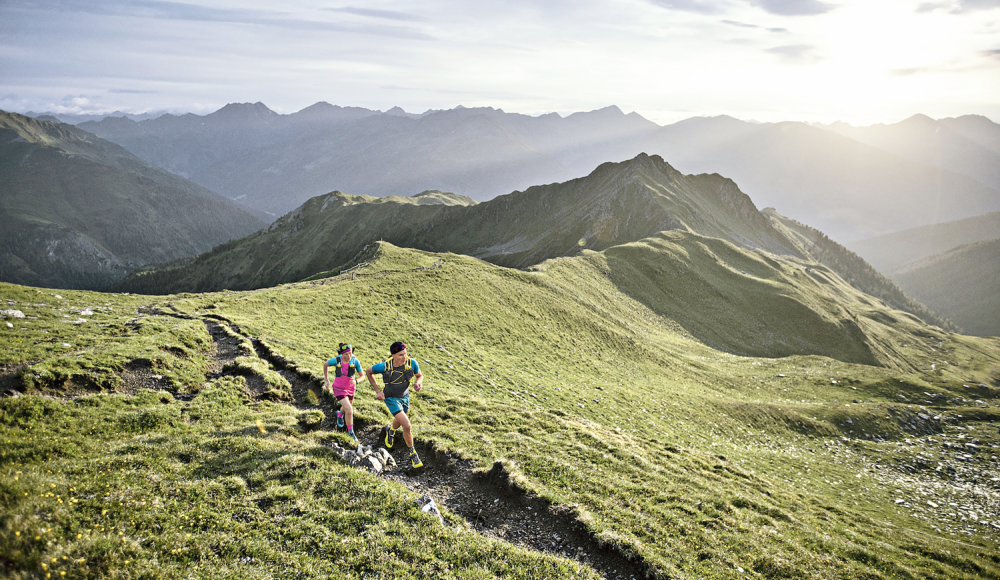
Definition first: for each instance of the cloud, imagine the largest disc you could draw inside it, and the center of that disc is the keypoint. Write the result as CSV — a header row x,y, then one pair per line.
x,y
795,7
168,10
386,14
959,6
697,6
745,25
795,53
778,7
907,72
130,92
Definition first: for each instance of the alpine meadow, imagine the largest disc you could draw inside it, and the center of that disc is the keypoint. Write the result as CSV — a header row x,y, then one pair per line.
x,y
632,374
436,290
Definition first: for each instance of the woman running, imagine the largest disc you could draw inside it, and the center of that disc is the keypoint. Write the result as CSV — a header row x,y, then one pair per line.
x,y
346,368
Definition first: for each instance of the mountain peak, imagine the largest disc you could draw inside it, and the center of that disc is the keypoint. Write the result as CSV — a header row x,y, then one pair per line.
x,y
244,111
605,112
918,119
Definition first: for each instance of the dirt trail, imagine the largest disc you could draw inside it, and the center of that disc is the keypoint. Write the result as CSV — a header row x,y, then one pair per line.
x,y
486,499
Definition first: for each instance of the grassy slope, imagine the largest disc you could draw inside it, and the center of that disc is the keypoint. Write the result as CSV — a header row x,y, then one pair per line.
x,y
703,464
852,268
960,283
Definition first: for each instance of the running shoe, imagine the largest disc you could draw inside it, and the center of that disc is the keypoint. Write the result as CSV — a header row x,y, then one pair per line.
x,y
390,436
415,459
340,420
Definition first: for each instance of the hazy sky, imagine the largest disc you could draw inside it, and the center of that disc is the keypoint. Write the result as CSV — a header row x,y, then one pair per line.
x,y
862,61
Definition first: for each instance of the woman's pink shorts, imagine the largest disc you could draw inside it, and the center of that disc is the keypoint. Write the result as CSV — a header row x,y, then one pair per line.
x,y
343,387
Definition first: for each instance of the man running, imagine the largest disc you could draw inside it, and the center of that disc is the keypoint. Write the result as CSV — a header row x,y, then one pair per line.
x,y
396,375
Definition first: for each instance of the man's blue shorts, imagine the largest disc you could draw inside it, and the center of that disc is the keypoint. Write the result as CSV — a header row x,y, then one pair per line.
x,y
398,404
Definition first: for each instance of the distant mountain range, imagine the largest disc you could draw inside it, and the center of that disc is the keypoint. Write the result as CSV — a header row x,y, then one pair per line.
x,y
969,144
77,118
961,283
618,203
843,187
842,180
81,212
890,252
953,267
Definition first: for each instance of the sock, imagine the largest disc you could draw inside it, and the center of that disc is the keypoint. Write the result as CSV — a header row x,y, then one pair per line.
x,y
350,429
412,450
339,414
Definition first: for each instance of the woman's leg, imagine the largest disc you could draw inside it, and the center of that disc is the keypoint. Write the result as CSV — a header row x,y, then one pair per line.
x,y
347,409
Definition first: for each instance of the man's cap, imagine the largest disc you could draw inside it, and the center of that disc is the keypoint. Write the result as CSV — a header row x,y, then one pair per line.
x,y
396,347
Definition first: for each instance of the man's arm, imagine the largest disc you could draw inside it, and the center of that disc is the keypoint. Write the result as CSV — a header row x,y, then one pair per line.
x,y
370,373
418,376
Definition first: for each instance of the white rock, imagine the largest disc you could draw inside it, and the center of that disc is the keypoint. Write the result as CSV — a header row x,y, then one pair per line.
x,y
12,313
427,505
371,463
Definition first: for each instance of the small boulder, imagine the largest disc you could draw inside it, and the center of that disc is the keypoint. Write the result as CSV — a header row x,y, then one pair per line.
x,y
370,462
386,457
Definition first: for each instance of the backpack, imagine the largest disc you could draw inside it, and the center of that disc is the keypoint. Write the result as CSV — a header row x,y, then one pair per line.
x,y
394,377
338,372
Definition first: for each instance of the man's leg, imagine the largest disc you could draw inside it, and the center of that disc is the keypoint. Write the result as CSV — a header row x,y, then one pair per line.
x,y
401,420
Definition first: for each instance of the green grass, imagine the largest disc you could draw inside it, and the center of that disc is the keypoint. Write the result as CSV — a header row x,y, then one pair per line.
x,y
698,461
146,487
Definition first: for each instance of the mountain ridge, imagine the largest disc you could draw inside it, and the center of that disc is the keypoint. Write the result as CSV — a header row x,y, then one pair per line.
x,y
82,212
847,188
617,203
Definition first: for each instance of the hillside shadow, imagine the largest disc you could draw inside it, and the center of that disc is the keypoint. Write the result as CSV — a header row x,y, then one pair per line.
x,y
735,300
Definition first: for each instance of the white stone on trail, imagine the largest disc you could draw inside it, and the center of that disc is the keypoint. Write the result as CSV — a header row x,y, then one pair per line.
x,y
426,504
12,313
